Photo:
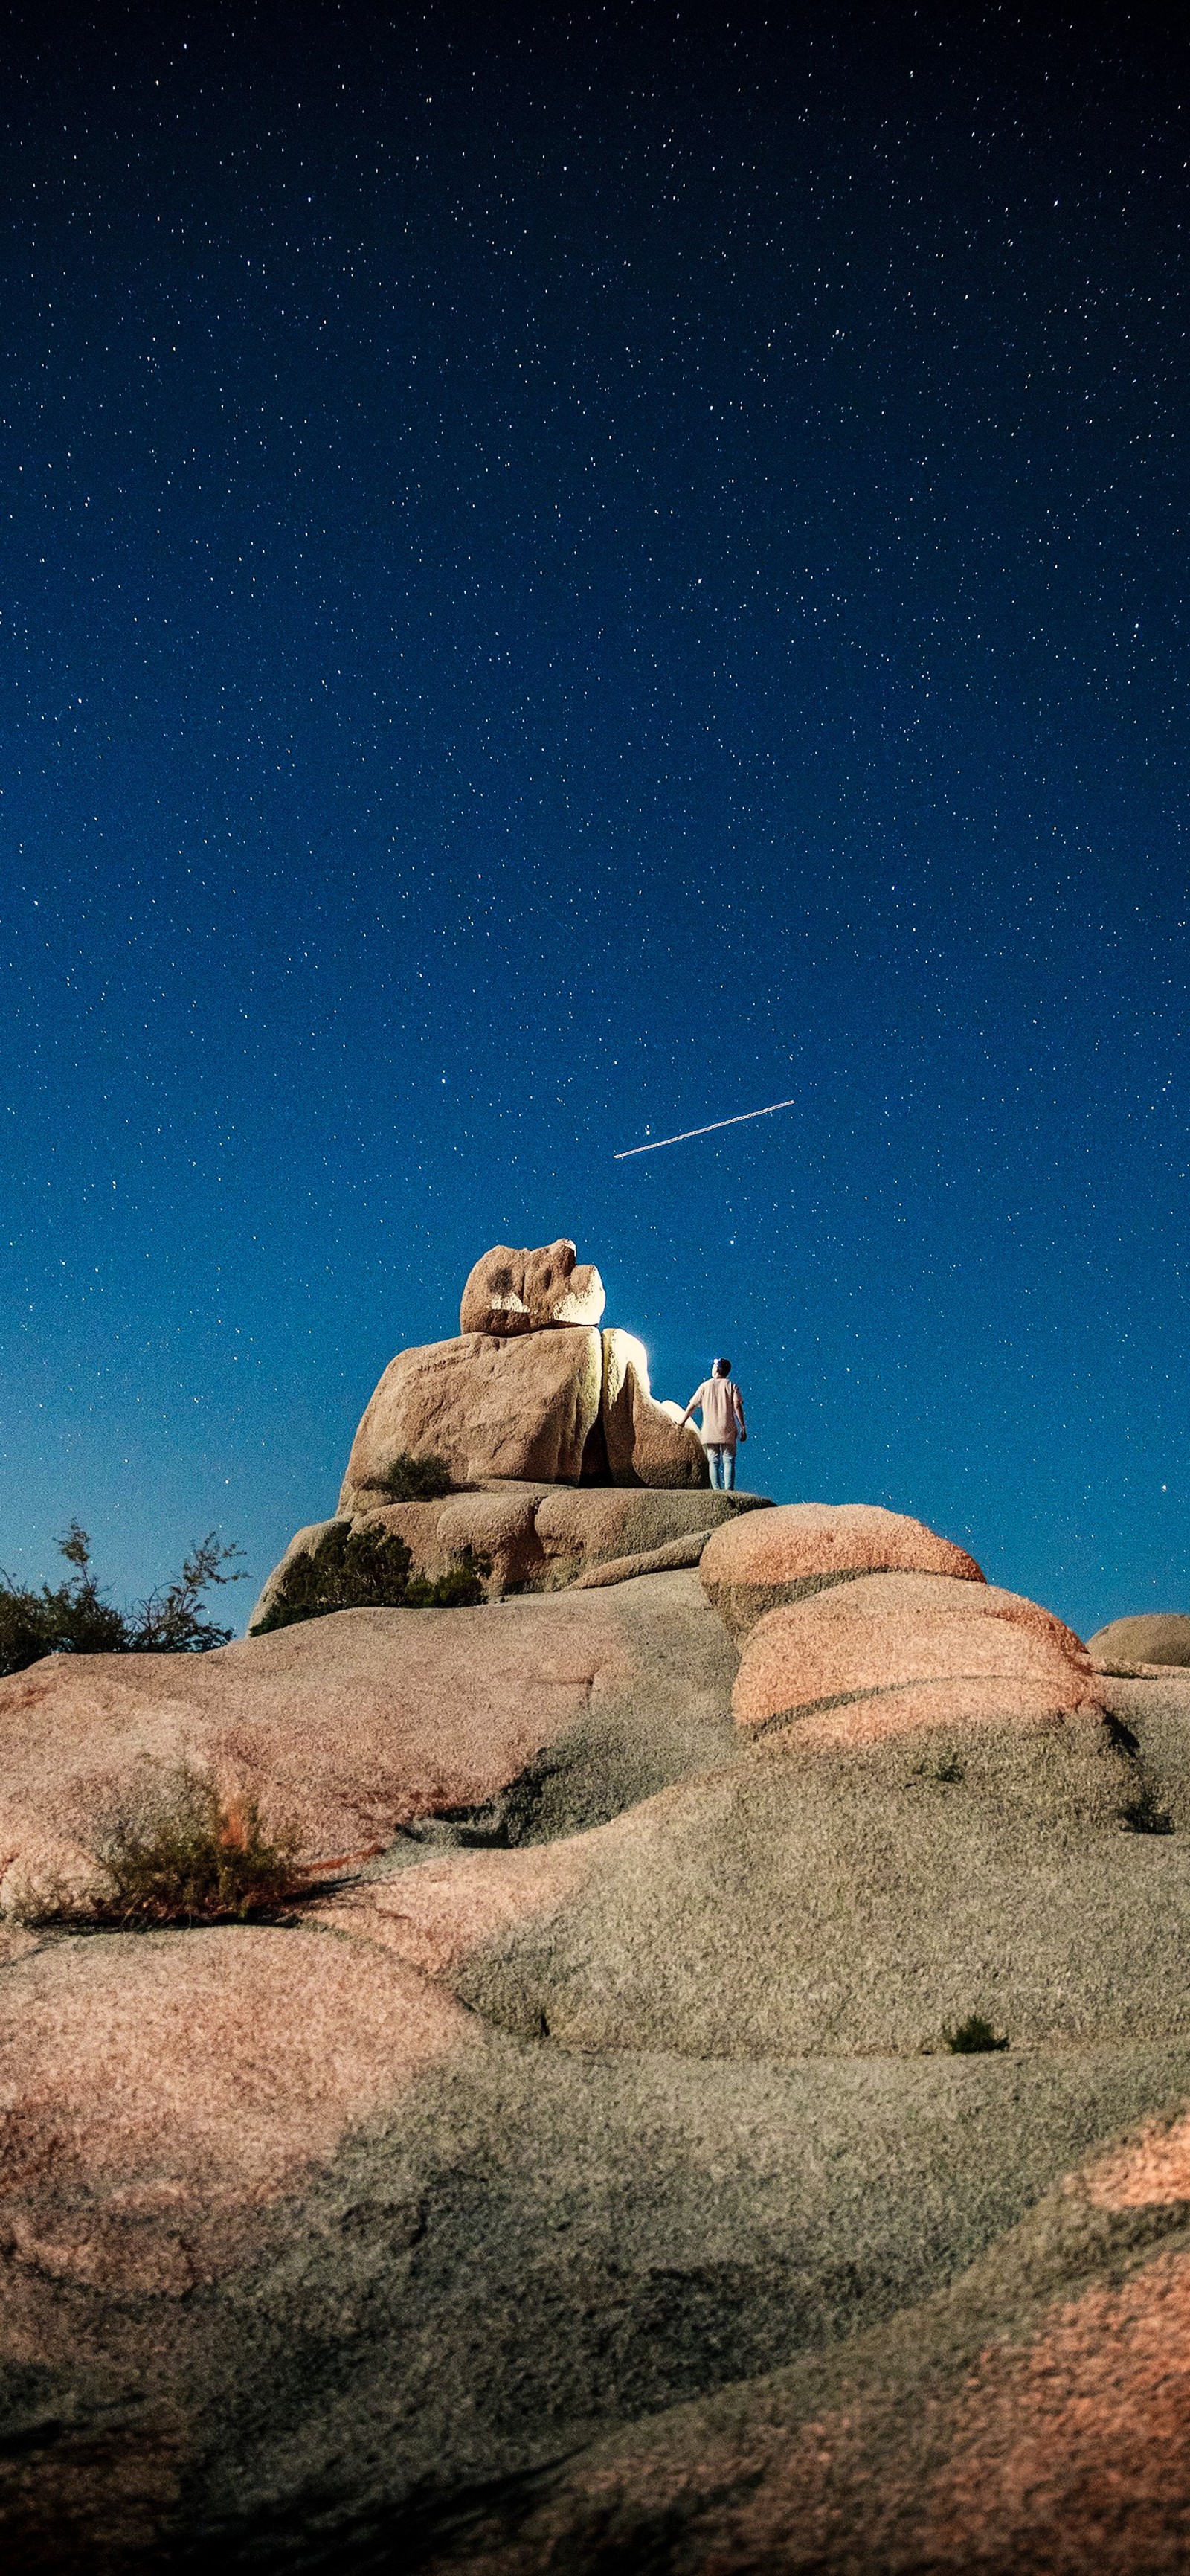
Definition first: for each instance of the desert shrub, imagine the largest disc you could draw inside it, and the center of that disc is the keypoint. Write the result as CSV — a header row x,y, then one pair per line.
x,y
460,1588
177,1852
73,1617
414,1480
974,2037
1146,1815
367,1569
949,1770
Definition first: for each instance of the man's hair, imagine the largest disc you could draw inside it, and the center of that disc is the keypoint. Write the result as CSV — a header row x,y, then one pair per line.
x,y
722,1368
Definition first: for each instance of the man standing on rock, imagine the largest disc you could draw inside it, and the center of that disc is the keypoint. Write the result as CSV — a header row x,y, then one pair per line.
x,y
722,1422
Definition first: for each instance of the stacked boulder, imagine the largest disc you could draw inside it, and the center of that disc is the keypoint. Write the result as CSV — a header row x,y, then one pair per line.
x,y
530,1390
557,1455
859,1625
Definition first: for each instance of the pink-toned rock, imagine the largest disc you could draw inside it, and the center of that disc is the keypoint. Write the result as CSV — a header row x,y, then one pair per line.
x,y
801,1548
1150,2170
646,1442
535,1537
905,1651
522,1409
433,1916
345,1728
161,2092
579,1530
518,1292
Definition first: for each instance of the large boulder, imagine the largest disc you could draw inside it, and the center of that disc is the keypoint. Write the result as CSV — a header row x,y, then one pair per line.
x,y
646,1442
354,1728
523,1408
165,2092
1152,1637
520,1292
804,1547
890,1653
535,1538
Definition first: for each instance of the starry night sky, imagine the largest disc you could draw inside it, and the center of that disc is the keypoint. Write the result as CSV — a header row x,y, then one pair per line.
x,y
566,576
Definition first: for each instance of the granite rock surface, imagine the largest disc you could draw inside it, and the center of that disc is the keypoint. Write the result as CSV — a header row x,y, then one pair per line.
x,y
1152,1637
805,1547
581,2176
522,1292
522,1408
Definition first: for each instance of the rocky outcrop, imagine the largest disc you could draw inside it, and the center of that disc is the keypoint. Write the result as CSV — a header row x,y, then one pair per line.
x,y
511,1292
1152,1637
519,1409
588,2169
535,1538
529,1400
349,1729
889,1654
646,1443
529,1390
804,1547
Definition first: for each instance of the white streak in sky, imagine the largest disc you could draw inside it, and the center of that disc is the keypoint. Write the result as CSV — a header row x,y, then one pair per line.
x,y
738,1121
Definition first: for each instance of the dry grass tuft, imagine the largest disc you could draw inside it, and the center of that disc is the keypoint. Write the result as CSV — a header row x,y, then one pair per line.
x,y
178,1852
974,2037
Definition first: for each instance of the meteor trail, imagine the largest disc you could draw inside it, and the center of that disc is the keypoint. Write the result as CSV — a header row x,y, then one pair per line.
x,y
740,1119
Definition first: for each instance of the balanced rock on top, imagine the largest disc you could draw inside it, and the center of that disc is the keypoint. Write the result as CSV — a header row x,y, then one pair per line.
x,y
520,1292
530,1391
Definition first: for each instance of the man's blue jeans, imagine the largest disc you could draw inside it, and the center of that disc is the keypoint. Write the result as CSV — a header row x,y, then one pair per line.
x,y
722,1466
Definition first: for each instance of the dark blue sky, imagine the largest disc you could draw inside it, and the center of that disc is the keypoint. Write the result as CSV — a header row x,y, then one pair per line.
x,y
569,575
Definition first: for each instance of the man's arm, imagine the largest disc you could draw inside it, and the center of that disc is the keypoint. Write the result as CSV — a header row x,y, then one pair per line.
x,y
692,1407
738,1407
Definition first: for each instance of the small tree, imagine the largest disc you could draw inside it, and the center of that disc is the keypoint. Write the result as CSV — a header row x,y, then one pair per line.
x,y
368,1569
73,1618
174,1621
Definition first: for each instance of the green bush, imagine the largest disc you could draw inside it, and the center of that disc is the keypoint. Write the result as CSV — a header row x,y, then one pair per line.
x,y
974,2037
73,1618
1146,1815
414,1480
460,1588
178,1853
949,1770
368,1569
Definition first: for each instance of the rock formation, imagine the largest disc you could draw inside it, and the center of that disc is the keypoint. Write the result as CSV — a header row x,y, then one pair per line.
x,y
804,1547
528,1404
889,1653
536,1538
723,2100
1152,1637
522,1410
522,1292
352,1729
529,1391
